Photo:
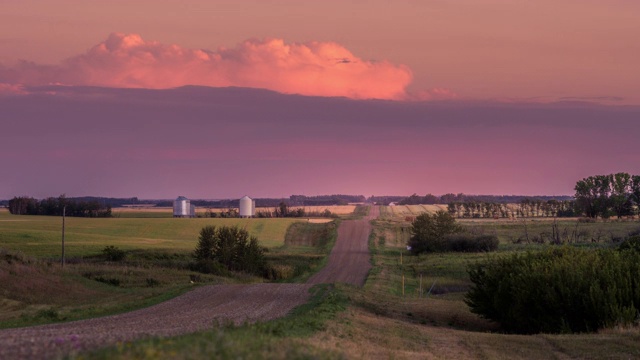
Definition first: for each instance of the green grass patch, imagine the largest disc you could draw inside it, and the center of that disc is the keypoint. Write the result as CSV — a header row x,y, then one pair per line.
x,y
305,251
41,235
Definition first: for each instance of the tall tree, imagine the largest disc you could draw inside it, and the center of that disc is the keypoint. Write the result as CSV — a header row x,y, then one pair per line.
x,y
428,231
621,194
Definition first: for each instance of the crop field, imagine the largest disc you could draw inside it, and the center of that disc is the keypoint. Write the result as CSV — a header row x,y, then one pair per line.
x,y
167,212
41,235
402,211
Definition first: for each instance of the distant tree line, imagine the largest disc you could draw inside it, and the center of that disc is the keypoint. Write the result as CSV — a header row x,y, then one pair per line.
x,y
325,200
54,207
608,195
463,198
525,208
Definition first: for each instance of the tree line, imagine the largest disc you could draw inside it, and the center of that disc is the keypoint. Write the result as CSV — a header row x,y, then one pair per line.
x,y
610,195
464,198
525,208
54,206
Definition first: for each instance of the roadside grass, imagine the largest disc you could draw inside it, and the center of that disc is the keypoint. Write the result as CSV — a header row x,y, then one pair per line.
x,y
284,338
359,212
35,291
305,250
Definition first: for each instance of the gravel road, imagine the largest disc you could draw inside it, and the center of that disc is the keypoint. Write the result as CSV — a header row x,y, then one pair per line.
x,y
349,261
196,310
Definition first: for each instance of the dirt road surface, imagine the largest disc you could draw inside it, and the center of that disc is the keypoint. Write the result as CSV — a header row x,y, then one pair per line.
x,y
349,261
200,309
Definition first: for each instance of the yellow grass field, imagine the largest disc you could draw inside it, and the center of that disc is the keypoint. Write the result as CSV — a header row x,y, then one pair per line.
x,y
402,211
41,235
152,211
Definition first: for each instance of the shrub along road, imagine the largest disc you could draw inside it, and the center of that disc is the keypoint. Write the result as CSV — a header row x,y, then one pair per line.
x,y
196,310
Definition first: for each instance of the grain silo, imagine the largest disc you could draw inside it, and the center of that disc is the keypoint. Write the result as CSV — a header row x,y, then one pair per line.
x,y
182,207
247,207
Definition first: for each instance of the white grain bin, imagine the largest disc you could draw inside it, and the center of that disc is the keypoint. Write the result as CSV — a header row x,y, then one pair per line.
x,y
247,207
181,207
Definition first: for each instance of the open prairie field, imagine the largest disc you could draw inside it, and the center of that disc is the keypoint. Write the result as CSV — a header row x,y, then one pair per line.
x,y
167,212
402,211
41,235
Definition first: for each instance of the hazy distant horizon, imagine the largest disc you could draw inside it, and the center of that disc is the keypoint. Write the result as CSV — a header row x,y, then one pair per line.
x,y
204,142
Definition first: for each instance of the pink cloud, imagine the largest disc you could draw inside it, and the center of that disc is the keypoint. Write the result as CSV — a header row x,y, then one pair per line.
x,y
312,68
12,89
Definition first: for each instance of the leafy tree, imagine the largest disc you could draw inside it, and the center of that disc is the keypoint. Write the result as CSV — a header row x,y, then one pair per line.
x,y
231,248
428,231
621,194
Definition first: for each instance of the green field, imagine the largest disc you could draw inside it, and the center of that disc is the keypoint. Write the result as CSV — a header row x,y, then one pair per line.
x,y
41,235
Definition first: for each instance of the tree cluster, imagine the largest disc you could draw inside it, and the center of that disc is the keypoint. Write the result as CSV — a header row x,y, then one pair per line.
x,y
525,208
54,207
561,290
229,248
325,200
439,232
608,195
463,198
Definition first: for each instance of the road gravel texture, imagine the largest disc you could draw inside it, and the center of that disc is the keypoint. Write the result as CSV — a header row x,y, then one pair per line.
x,y
197,310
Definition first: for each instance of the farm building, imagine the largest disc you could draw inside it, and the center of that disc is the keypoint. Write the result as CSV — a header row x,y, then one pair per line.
x,y
247,207
182,208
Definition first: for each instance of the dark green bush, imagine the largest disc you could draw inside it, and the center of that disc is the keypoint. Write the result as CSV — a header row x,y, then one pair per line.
x,y
632,243
109,281
560,290
112,253
471,243
209,266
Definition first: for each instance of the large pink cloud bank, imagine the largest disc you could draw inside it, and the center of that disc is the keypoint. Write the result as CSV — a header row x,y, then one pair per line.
x,y
312,68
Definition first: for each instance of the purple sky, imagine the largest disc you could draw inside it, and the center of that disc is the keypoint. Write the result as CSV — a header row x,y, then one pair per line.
x,y
226,142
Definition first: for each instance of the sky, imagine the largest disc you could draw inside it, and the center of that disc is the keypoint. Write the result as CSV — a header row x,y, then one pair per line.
x,y
300,97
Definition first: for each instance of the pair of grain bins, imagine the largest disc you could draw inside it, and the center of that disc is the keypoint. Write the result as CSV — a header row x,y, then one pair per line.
x,y
182,207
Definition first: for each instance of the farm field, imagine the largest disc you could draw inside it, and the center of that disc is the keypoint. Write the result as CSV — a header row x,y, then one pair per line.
x,y
402,211
167,212
41,235
529,231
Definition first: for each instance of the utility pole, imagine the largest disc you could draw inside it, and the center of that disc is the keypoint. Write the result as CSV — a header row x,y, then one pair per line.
x,y
64,210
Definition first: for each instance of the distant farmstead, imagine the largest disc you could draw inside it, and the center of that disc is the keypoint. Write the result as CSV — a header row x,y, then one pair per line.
x,y
182,208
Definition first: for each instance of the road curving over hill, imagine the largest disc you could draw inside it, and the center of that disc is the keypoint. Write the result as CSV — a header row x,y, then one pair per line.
x,y
197,310
349,261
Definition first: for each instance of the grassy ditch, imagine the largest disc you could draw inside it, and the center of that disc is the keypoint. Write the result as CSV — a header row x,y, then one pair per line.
x,y
305,251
